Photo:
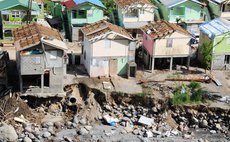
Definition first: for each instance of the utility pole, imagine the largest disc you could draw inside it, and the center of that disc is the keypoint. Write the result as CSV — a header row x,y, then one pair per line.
x,y
29,11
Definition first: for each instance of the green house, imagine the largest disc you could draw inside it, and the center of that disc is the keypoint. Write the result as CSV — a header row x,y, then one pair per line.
x,y
215,37
219,8
77,13
14,13
188,13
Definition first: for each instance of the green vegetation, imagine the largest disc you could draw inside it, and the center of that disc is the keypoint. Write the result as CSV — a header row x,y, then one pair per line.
x,y
110,6
206,51
192,93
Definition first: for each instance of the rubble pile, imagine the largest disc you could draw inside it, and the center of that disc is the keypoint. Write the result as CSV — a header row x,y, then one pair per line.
x,y
110,117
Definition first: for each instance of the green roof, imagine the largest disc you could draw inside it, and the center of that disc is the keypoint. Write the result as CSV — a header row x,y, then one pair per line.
x,y
18,4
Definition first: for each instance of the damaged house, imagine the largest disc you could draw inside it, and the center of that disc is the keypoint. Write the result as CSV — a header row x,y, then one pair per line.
x,y
215,34
219,8
164,42
41,59
108,50
133,14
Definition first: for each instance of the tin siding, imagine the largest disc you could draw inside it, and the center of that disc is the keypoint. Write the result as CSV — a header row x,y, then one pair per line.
x,y
148,44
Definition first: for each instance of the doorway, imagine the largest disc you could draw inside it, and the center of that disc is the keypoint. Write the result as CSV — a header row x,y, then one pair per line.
x,y
47,79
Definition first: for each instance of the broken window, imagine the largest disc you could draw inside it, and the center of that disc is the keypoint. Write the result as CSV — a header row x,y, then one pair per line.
x,y
169,42
226,59
74,14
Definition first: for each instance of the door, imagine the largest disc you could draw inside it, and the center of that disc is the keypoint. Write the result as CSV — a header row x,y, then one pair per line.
x,y
113,67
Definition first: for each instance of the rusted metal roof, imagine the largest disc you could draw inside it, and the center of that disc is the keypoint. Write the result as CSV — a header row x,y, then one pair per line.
x,y
32,33
124,3
102,27
160,29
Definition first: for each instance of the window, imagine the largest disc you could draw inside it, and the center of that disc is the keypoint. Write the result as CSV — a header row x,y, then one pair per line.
x,y
74,14
142,11
15,14
178,11
82,13
226,59
169,42
132,13
90,13
228,40
53,55
107,43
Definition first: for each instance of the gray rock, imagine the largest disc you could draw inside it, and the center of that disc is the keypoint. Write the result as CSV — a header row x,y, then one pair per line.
x,y
88,127
195,120
156,132
7,133
68,139
74,125
83,121
109,108
28,129
187,136
213,131
148,134
46,134
27,139
83,131
204,123
31,136
58,125
136,132
75,119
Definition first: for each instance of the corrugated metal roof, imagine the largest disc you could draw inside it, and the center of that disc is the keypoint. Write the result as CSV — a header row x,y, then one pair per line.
x,y
9,4
95,2
172,3
215,27
218,1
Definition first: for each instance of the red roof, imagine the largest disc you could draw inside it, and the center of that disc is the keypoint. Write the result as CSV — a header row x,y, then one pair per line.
x,y
69,4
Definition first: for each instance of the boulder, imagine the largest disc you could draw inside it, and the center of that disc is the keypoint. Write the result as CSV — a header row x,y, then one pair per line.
x,y
7,133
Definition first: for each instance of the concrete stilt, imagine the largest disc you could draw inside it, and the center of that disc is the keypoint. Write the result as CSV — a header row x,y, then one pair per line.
x,y
188,62
171,64
42,83
153,64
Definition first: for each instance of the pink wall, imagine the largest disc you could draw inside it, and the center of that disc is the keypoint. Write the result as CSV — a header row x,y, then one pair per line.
x,y
148,44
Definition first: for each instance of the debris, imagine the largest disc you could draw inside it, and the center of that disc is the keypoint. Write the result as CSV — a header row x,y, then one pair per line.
x,y
148,134
83,131
106,85
225,99
171,122
146,121
217,82
110,120
21,119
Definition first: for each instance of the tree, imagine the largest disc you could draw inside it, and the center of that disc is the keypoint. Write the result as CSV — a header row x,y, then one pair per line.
x,y
110,6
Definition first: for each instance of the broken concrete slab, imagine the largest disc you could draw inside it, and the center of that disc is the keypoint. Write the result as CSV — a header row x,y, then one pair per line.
x,y
146,121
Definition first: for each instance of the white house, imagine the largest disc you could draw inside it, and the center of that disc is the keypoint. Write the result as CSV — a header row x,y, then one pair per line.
x,y
133,14
108,50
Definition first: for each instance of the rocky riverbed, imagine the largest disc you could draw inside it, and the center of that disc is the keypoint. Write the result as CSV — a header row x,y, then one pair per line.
x,y
111,117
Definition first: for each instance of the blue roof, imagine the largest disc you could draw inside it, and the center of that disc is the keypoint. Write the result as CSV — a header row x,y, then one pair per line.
x,y
95,2
215,27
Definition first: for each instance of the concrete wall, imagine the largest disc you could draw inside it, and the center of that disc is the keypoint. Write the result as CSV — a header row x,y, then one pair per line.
x,y
87,54
180,46
218,63
116,48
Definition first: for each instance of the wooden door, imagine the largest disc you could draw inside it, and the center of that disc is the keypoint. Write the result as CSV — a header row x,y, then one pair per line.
x,y
113,67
